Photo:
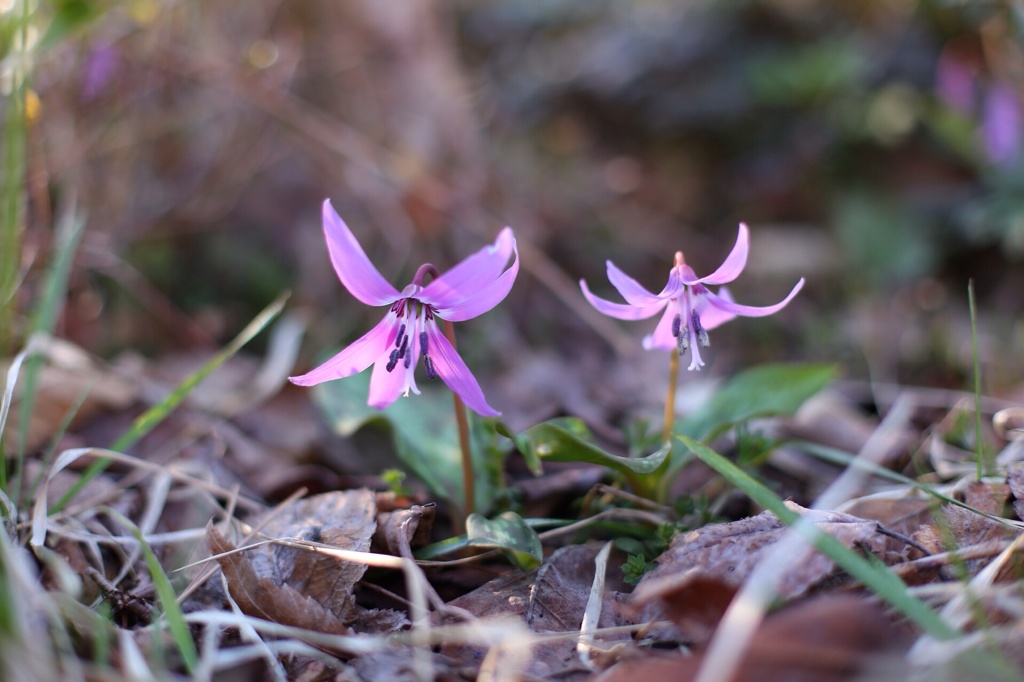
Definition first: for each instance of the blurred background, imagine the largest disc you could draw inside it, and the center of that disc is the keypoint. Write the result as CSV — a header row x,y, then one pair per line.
x,y
874,147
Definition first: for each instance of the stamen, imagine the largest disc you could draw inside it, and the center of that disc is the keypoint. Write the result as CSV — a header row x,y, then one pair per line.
x,y
404,347
698,329
428,365
401,335
392,361
677,322
683,340
423,343
408,360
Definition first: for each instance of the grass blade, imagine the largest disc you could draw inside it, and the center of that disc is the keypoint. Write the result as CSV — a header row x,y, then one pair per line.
x,y
180,631
156,414
876,577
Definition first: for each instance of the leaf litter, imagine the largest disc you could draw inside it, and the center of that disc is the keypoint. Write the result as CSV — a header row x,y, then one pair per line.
x,y
302,567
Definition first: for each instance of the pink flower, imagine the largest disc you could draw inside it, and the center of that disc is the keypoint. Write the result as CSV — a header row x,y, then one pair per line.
x,y
409,330
690,308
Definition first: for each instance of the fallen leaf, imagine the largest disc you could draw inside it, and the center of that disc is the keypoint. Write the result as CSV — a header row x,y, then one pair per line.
x,y
263,598
553,599
729,551
343,519
828,639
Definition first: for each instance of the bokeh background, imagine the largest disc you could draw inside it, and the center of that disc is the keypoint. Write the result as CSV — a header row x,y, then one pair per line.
x,y
874,146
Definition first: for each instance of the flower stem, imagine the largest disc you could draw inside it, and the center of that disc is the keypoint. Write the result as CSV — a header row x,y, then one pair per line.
x,y
670,397
468,480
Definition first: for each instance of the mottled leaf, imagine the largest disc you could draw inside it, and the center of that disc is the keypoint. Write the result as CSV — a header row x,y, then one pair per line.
x,y
509,533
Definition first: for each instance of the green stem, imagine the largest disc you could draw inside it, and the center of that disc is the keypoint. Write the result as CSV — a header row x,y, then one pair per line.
x,y
670,397
983,464
468,480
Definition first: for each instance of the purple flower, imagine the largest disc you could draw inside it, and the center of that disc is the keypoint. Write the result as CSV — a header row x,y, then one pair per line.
x,y
690,307
1002,124
409,330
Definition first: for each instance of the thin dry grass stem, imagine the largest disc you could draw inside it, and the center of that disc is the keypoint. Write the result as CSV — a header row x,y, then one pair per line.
x,y
960,611
250,533
39,522
626,496
935,561
749,606
248,632
592,613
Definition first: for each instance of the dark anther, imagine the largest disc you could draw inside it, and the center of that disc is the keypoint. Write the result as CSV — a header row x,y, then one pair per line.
x,y
683,340
392,360
408,360
428,365
423,343
698,329
401,335
677,322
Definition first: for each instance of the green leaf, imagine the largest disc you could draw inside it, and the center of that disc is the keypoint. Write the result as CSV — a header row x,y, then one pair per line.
x,y
563,440
425,435
876,576
762,391
509,533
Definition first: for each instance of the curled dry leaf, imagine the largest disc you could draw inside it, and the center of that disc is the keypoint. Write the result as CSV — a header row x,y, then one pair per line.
x,y
263,598
343,519
400,530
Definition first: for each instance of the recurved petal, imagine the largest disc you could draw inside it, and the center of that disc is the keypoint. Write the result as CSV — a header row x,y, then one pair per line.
x,y
454,373
621,310
734,263
630,288
354,269
710,316
475,299
359,355
662,337
472,273
748,310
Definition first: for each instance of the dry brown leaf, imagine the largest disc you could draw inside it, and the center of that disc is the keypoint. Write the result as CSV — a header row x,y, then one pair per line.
x,y
823,640
262,598
400,530
729,551
344,519
694,602
551,600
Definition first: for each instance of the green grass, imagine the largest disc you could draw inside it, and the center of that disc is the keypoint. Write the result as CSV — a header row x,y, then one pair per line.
x,y
879,579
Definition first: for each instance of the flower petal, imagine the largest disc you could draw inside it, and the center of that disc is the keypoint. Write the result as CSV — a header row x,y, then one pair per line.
x,y
710,316
454,373
630,288
354,269
464,280
385,386
734,263
662,337
359,355
478,299
620,310
748,310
